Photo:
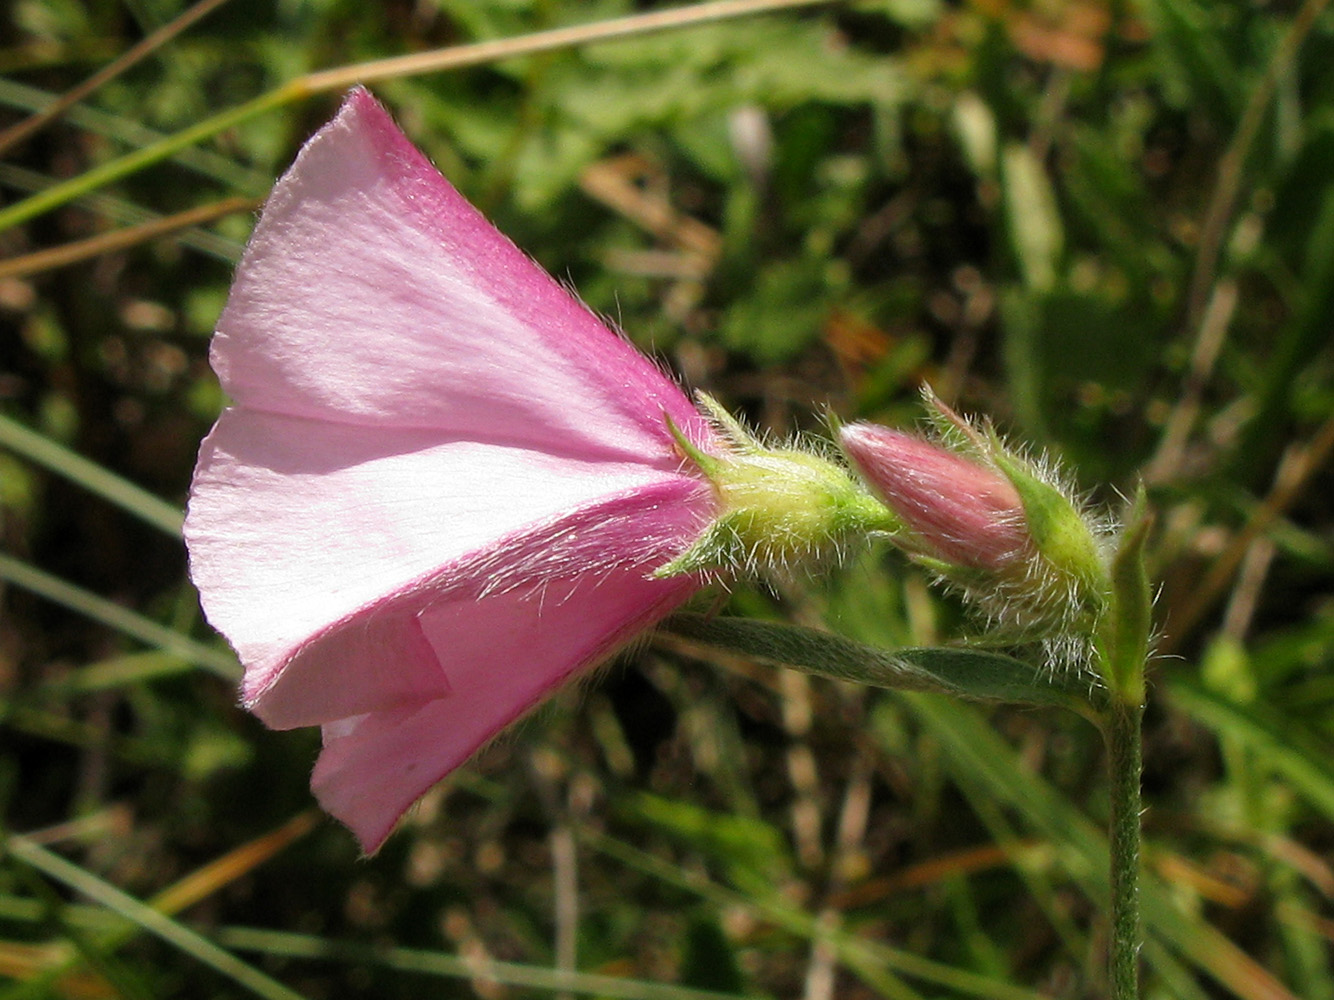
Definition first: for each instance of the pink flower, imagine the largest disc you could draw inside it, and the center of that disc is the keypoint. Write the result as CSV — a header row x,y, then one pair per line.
x,y
966,513
443,486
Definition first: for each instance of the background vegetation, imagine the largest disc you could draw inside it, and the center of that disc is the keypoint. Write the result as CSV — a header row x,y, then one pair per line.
x,y
1108,225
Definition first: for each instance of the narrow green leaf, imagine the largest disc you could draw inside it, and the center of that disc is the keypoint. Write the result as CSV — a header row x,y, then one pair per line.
x,y
963,673
1130,617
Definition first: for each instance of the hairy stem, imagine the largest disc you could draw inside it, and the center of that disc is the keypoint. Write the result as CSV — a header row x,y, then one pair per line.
x,y
1124,760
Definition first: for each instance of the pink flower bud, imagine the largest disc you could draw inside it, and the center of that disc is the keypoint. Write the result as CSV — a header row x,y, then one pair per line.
x,y
964,512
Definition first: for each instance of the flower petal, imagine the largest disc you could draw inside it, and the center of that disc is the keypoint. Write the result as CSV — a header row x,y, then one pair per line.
x,y
444,483
296,524
371,292
505,653
505,608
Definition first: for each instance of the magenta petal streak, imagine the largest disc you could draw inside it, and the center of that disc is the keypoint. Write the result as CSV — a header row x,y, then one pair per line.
x,y
443,483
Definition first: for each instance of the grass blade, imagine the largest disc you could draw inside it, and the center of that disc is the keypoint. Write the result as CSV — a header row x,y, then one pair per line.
x,y
82,881
114,616
91,476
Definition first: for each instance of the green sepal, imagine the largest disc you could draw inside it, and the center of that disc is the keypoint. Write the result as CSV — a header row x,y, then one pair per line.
x,y
1054,523
735,431
778,507
1127,626
962,673
964,577
706,463
953,431
720,546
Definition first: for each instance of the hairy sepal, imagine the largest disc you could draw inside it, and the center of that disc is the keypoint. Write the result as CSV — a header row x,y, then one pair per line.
x,y
780,508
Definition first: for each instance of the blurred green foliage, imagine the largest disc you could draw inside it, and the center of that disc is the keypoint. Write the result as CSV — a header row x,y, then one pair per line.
x,y
1107,225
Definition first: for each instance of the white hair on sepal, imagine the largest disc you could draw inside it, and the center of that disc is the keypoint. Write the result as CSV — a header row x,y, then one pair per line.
x,y
1042,606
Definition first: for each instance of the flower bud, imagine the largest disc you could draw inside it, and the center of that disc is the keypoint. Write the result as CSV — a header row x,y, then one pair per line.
x,y
998,527
961,511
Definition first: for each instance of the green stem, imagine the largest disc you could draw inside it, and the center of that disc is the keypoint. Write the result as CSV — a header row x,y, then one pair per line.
x,y
1124,747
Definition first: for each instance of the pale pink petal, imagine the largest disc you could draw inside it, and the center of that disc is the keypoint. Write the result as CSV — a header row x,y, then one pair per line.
x,y
511,605
371,292
444,484
517,647
295,524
